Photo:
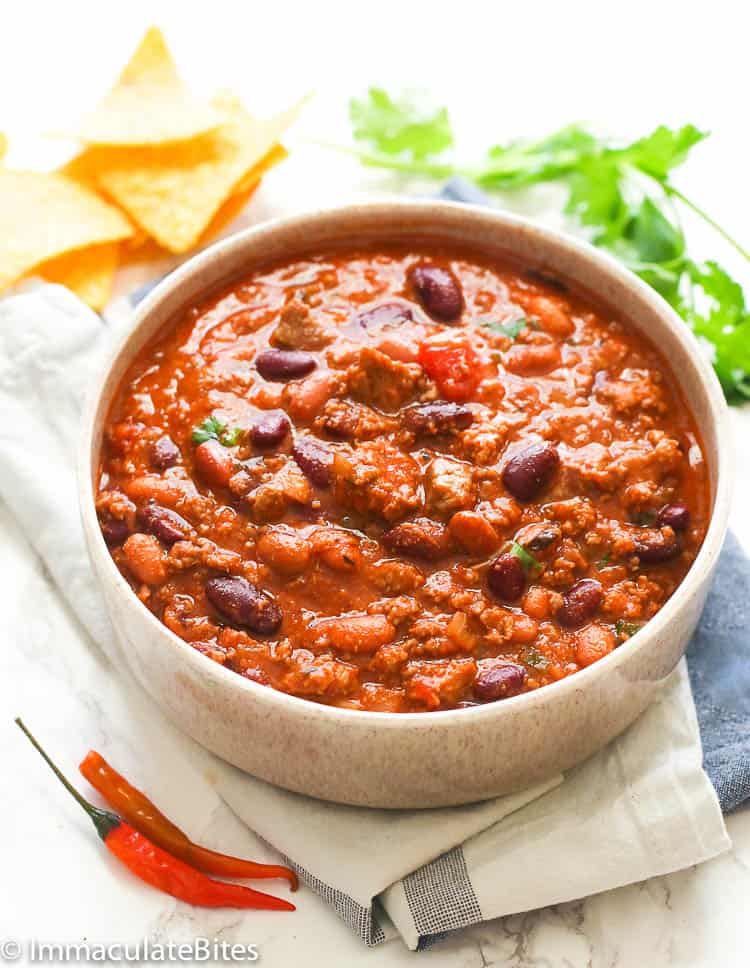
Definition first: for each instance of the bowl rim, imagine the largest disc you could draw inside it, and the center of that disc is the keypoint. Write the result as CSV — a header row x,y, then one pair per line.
x,y
604,265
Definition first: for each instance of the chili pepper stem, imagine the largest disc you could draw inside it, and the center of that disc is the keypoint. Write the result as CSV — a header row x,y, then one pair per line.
x,y
104,821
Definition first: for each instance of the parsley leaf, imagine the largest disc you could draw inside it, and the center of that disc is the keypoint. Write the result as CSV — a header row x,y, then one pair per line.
x,y
214,429
396,126
664,149
723,323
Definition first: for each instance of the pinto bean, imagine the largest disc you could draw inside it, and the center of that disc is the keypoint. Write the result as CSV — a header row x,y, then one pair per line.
x,y
593,643
421,538
284,549
654,546
498,679
354,633
282,365
529,359
580,603
431,419
337,549
304,399
506,578
167,525
114,531
315,460
144,557
164,453
529,471
438,291
244,604
214,463
675,516
269,429
473,532
385,314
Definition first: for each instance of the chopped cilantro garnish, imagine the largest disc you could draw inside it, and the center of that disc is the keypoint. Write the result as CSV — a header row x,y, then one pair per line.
x,y
510,329
534,658
214,429
645,519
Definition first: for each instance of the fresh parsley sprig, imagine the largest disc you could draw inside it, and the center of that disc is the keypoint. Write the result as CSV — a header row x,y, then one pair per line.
x,y
622,193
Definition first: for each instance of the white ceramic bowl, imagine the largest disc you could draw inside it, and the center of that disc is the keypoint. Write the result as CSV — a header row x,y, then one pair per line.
x,y
413,759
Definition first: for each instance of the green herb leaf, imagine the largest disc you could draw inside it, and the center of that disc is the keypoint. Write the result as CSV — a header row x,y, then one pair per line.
x,y
529,562
214,429
603,561
208,430
721,320
231,437
400,126
664,149
534,658
511,329
625,630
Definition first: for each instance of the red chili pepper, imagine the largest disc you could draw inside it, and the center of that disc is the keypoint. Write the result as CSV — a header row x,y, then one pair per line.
x,y
454,366
140,812
158,868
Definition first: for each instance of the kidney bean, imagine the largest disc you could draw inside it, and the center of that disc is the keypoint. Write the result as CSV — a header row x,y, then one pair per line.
x,y
244,604
438,291
653,546
580,602
437,418
114,531
529,471
506,578
386,314
421,538
214,463
498,679
314,460
164,453
167,525
676,516
269,429
282,365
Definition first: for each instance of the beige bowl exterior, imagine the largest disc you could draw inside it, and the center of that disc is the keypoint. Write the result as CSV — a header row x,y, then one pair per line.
x,y
417,759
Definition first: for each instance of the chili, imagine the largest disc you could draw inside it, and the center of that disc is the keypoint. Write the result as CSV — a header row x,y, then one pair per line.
x,y
141,813
402,478
153,865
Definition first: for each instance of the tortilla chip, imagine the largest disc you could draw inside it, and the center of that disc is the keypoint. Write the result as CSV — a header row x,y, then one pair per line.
x,y
174,191
46,215
149,104
228,212
89,273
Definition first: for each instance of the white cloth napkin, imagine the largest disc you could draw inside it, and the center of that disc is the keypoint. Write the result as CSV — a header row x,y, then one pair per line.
x,y
640,808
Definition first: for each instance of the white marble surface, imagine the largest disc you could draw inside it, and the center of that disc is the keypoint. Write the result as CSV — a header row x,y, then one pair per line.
x,y
663,64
